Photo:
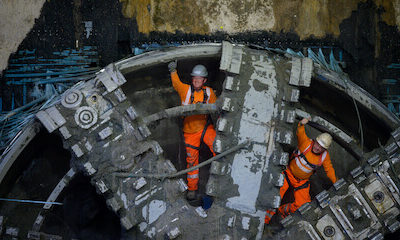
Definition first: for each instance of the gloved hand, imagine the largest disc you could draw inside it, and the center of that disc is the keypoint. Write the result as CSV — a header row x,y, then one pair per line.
x,y
304,121
172,66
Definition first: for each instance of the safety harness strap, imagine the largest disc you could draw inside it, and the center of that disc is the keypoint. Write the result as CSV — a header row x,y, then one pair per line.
x,y
191,146
287,178
205,100
313,166
302,155
202,134
205,128
205,97
305,185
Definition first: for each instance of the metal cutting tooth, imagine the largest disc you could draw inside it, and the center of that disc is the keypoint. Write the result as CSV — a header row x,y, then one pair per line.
x,y
295,71
394,226
212,187
223,125
132,114
294,97
284,136
339,184
280,158
290,116
107,82
126,223
101,186
115,75
64,132
304,208
77,150
279,180
105,133
323,198
391,148
396,136
227,105
228,84
113,203
373,160
47,121
12,231
144,131
174,233
58,119
356,172
219,168
287,221
218,145
89,168
120,95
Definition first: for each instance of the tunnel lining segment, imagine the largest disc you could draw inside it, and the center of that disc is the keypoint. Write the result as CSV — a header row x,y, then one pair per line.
x,y
164,56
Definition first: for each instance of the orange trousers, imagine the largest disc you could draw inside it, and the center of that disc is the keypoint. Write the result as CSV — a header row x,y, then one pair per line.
x,y
301,195
192,142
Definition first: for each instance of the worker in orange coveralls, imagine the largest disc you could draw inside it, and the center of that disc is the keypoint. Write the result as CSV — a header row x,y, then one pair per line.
x,y
196,128
309,155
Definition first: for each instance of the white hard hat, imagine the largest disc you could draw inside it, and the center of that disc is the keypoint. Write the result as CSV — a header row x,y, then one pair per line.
x,y
199,71
324,139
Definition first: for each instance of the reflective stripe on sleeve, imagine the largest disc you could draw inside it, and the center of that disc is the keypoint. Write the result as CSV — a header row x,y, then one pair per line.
x,y
189,92
208,93
305,150
323,157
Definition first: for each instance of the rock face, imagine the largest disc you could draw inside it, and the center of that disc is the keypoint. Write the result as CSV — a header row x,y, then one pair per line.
x,y
306,18
17,19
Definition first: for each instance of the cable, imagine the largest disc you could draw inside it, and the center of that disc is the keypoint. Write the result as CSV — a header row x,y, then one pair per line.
x,y
29,201
358,116
397,179
163,176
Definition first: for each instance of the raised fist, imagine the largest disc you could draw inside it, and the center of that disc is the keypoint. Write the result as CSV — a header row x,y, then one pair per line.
x,y
172,66
304,121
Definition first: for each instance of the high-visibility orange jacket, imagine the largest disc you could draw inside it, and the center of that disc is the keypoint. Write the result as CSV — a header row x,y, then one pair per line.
x,y
300,168
194,123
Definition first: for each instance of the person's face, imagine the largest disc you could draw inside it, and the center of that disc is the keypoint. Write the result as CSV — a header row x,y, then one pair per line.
x,y
198,82
317,148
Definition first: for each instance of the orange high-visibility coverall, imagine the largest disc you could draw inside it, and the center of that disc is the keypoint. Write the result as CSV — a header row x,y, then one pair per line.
x,y
194,125
299,172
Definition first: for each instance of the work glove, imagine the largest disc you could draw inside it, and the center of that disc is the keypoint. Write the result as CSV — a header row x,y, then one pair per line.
x,y
304,121
172,66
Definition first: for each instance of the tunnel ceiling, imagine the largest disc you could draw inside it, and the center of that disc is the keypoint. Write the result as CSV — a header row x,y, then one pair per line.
x,y
19,15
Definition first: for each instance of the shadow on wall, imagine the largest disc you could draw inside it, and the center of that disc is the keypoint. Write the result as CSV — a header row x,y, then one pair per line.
x,y
87,214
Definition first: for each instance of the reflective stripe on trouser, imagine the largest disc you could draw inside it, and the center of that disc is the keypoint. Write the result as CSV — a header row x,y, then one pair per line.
x,y
269,215
192,155
301,194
